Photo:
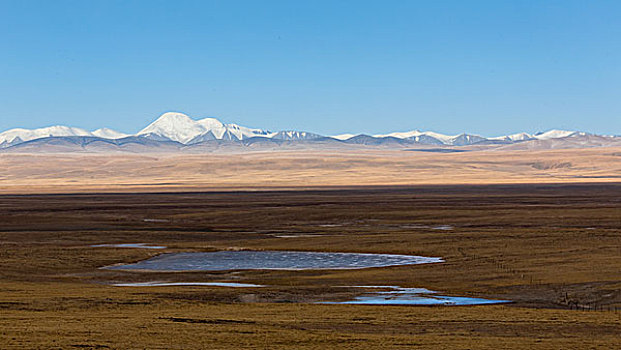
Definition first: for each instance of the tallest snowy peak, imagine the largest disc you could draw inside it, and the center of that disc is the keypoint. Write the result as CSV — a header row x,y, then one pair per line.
x,y
181,128
174,126
173,121
173,117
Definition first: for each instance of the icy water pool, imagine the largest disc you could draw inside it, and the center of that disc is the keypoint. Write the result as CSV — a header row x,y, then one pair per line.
x,y
128,245
270,260
394,295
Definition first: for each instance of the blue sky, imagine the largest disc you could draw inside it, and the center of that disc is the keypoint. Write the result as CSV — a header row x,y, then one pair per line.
x,y
486,67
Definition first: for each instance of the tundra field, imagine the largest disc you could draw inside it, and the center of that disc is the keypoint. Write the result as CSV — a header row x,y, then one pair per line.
x,y
553,250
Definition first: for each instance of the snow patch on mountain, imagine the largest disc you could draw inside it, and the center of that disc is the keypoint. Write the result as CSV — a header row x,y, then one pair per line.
x,y
554,134
343,137
522,136
106,133
294,135
430,137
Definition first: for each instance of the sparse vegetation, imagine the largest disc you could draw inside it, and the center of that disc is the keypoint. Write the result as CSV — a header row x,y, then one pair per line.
x,y
553,249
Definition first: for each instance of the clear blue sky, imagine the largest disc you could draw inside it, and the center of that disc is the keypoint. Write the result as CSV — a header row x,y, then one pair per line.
x,y
487,67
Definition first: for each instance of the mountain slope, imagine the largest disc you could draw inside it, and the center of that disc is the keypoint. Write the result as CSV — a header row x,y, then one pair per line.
x,y
64,144
109,134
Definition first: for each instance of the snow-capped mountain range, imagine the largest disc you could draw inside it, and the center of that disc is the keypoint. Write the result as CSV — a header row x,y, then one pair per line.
x,y
17,136
181,129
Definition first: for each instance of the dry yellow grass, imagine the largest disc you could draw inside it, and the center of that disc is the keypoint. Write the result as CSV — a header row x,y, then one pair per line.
x,y
54,173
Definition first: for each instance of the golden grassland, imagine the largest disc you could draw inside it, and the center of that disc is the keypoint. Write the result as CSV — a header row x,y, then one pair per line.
x,y
551,249
123,172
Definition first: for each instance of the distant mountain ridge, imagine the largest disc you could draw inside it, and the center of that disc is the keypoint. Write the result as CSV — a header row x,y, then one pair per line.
x,y
178,130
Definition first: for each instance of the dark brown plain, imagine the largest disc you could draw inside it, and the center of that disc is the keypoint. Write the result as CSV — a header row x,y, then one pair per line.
x,y
552,249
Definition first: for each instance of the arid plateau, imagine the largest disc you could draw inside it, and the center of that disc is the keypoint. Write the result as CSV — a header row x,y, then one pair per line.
x,y
363,166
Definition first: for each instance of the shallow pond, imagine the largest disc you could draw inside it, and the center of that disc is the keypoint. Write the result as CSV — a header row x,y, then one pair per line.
x,y
128,245
394,295
271,260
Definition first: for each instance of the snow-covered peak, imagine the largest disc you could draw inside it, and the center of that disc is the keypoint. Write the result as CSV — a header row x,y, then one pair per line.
x,y
402,135
522,136
181,128
174,126
27,135
242,132
211,123
106,133
553,134
434,137
343,137
445,139
414,134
